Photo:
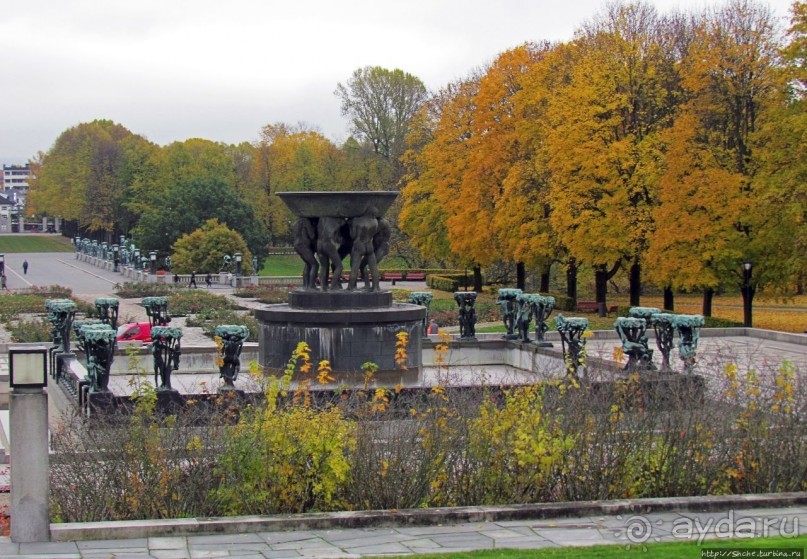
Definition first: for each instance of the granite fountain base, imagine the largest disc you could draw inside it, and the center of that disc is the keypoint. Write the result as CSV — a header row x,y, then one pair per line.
x,y
348,328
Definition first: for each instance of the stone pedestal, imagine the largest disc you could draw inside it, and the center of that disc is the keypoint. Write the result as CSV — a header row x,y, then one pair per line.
x,y
348,328
30,520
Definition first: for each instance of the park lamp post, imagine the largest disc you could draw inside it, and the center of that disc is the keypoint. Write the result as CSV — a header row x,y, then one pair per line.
x,y
748,294
115,257
238,259
153,259
28,418
136,259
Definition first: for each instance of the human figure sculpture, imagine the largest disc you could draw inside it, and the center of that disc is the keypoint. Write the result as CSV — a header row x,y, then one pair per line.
x,y
61,313
688,328
542,307
232,341
380,247
507,302
523,316
424,299
166,351
98,341
305,244
632,332
226,263
107,309
157,310
88,322
255,265
665,334
168,263
362,231
329,239
467,314
571,338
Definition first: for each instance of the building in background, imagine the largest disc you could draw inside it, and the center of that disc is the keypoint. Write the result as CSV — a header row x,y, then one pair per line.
x,y
16,176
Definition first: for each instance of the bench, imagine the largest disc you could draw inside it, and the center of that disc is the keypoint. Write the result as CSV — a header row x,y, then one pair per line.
x,y
593,306
415,276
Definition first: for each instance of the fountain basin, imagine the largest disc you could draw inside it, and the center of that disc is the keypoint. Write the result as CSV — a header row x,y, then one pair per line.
x,y
346,204
347,338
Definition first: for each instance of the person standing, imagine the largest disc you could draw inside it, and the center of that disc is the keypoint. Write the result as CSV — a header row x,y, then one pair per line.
x,y
193,279
208,280
25,267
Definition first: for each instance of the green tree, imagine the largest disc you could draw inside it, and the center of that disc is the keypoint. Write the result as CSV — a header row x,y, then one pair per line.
x,y
186,205
203,250
380,103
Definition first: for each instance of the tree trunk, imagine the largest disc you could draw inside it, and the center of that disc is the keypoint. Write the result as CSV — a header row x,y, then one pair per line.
x,y
545,279
601,277
635,283
521,276
601,288
571,282
478,279
708,295
669,299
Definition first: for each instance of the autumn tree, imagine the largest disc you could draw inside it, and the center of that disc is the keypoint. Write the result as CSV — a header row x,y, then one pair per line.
x,y
87,174
711,219
292,158
602,146
438,153
782,154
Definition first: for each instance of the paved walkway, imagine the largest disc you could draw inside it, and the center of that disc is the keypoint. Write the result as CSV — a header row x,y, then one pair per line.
x,y
408,540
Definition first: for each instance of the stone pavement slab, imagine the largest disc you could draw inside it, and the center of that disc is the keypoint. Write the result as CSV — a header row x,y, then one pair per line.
x,y
410,540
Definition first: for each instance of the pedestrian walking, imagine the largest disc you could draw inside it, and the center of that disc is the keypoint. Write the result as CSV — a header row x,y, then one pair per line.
x,y
3,281
193,279
433,328
25,267
208,280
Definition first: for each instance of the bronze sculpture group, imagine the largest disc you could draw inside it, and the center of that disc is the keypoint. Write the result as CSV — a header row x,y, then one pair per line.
x,y
323,242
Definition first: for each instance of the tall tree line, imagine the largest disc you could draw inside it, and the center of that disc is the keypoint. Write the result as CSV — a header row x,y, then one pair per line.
x,y
666,146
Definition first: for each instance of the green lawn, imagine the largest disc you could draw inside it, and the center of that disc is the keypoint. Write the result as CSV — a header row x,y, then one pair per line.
x,y
675,550
34,243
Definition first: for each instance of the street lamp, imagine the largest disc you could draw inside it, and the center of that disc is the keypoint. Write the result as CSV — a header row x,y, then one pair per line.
x,y
28,367
28,418
748,294
115,257
153,258
238,259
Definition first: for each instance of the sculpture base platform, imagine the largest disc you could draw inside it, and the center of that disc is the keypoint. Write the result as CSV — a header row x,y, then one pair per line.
x,y
346,337
339,299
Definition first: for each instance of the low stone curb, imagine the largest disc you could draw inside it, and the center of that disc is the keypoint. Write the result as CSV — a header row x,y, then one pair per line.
x,y
121,529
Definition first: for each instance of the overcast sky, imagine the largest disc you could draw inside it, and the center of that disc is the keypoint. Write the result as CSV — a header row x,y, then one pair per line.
x,y
177,69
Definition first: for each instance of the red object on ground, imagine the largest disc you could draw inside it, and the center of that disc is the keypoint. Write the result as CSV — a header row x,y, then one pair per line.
x,y
134,332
